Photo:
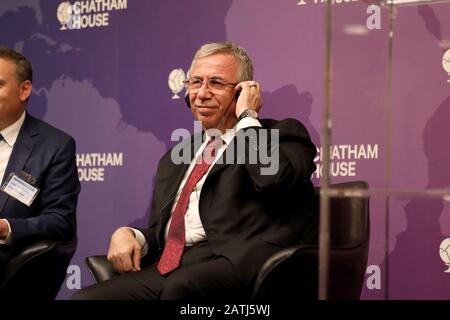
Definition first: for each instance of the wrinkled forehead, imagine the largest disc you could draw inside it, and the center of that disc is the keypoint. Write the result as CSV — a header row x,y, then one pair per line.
x,y
220,65
8,69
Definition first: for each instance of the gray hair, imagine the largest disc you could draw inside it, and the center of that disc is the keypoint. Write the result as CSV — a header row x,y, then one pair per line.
x,y
245,71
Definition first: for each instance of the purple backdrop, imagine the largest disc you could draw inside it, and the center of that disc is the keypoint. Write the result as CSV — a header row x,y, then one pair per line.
x,y
107,85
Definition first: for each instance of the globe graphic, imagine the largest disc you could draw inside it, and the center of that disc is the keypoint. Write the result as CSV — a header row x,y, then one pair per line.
x,y
446,61
64,13
176,78
444,252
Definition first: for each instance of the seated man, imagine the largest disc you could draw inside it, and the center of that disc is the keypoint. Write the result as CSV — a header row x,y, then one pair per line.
x,y
38,174
216,219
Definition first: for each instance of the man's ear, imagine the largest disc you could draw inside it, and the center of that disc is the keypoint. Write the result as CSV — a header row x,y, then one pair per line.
x,y
25,90
186,99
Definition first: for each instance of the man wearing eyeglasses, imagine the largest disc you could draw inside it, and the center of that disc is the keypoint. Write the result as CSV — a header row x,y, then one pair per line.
x,y
217,219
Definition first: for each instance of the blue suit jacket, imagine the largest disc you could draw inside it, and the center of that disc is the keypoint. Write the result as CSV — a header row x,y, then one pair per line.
x,y
48,155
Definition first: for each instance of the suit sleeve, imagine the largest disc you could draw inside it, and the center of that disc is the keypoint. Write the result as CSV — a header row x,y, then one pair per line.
x,y
279,157
56,202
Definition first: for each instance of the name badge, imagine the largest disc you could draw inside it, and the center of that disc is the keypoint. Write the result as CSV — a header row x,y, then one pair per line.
x,y
20,189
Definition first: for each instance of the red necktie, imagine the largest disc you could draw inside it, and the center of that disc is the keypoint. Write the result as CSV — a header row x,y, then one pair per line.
x,y
176,238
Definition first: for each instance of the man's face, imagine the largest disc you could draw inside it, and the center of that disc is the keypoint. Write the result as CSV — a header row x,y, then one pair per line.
x,y
215,108
12,94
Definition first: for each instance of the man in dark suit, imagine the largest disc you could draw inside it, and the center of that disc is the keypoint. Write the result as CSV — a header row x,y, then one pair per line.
x,y
218,217
38,174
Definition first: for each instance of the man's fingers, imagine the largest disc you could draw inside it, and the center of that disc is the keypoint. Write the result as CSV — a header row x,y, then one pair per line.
x,y
248,85
118,266
124,251
137,259
121,262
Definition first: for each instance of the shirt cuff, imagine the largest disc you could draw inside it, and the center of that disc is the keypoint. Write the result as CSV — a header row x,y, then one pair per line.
x,y
8,237
248,122
141,240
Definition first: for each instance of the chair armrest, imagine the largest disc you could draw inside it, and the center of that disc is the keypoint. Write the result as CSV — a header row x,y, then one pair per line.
x,y
26,254
293,267
100,268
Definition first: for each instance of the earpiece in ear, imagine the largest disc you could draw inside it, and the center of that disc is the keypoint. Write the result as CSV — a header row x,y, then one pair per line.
x,y
237,94
186,98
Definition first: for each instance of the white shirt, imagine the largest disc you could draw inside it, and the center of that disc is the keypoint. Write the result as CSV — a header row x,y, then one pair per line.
x,y
10,135
193,224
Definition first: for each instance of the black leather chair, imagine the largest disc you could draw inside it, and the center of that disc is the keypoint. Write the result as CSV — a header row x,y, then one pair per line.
x,y
37,271
292,273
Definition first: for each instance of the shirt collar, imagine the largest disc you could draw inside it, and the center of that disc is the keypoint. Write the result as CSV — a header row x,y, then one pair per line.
x,y
11,133
226,137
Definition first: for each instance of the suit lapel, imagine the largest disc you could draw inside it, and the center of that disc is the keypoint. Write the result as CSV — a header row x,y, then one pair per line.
x,y
221,162
218,166
167,203
171,188
20,154
178,173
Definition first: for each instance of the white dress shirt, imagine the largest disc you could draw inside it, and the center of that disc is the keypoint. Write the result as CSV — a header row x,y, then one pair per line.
x,y
10,135
193,224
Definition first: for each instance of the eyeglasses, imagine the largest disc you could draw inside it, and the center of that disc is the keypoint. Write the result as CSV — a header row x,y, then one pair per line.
x,y
214,84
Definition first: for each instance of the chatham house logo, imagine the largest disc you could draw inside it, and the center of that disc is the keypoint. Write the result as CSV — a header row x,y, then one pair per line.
x,y
175,81
446,62
87,14
444,252
65,15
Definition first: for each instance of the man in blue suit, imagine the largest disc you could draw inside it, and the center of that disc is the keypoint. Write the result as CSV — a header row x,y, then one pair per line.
x,y
39,181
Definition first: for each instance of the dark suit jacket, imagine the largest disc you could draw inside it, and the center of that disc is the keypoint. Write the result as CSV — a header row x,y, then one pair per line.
x,y
48,155
246,216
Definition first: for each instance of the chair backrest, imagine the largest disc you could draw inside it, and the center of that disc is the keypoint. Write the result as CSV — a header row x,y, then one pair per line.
x,y
349,242
295,269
